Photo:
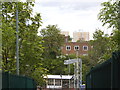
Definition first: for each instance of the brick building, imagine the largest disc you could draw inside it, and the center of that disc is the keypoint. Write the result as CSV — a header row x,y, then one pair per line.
x,y
80,48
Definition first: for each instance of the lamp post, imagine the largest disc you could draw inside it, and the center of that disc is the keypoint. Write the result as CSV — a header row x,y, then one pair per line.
x,y
17,42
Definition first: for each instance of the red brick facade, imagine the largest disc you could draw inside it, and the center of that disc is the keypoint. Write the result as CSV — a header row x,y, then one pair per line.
x,y
70,48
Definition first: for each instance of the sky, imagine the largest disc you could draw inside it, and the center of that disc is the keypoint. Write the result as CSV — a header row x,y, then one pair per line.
x,y
71,15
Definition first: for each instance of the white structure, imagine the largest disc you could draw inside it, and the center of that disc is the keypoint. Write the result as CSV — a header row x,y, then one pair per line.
x,y
59,81
77,71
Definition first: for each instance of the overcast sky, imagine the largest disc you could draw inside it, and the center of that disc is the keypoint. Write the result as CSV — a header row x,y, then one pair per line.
x,y
71,15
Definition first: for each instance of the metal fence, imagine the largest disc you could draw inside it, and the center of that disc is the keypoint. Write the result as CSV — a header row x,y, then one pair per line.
x,y
10,82
105,75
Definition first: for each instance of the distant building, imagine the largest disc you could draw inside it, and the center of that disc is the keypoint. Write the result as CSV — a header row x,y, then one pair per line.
x,y
83,36
80,48
66,33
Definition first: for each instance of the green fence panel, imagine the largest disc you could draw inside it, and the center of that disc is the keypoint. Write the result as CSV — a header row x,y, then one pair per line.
x,y
105,75
10,82
5,80
29,83
101,75
16,81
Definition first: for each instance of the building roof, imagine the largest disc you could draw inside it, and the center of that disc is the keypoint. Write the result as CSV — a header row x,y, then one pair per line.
x,y
59,76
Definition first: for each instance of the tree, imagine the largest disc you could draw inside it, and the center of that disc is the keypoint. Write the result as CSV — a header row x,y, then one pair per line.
x,y
30,48
110,14
8,39
102,47
52,42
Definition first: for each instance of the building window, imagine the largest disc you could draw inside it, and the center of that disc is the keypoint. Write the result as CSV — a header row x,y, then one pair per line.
x,y
68,47
76,47
58,82
50,82
85,48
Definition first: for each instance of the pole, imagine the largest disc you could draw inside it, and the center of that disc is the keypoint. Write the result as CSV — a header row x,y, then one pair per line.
x,y
74,75
78,80
80,72
69,74
17,43
77,75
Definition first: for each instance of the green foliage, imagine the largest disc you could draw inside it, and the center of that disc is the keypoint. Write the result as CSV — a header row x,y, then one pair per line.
x,y
30,48
109,14
8,48
86,66
116,39
52,42
38,75
103,46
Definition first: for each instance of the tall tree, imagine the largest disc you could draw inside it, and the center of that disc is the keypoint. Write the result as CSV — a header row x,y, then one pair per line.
x,y
30,48
52,42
